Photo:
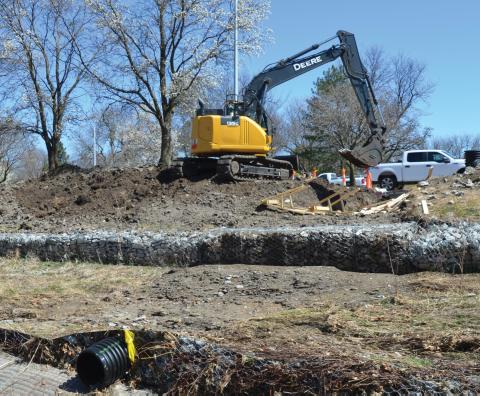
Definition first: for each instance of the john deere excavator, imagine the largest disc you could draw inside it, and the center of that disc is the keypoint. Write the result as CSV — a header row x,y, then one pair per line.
x,y
235,141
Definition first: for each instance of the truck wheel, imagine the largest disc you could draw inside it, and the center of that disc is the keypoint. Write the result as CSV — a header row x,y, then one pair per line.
x,y
389,182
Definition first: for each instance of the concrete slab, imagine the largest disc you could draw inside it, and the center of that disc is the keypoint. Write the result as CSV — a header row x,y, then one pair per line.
x,y
19,378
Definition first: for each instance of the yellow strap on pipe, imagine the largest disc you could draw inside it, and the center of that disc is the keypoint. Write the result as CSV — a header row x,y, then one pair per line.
x,y
129,337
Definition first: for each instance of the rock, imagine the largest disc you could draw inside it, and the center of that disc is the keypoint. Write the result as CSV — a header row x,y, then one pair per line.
x,y
469,170
25,226
159,313
422,183
82,200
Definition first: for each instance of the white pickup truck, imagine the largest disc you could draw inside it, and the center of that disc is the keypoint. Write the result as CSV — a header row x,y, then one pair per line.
x,y
332,178
414,167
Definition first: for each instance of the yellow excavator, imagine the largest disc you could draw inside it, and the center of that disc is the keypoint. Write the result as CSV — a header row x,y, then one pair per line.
x,y
235,142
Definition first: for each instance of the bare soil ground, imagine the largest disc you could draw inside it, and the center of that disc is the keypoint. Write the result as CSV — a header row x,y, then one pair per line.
x,y
427,324
424,324
135,199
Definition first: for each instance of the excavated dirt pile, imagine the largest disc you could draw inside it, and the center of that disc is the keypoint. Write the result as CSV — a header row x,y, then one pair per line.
x,y
449,199
133,198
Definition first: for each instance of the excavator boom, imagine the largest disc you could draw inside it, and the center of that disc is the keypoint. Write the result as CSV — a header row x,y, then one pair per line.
x,y
370,152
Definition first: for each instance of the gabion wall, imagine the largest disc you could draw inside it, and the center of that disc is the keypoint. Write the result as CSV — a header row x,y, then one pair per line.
x,y
398,248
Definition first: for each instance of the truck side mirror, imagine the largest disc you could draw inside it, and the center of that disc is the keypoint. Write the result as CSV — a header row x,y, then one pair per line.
x,y
446,160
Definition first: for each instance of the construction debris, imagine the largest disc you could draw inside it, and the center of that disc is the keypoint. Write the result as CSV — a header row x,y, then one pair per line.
x,y
425,207
335,201
387,206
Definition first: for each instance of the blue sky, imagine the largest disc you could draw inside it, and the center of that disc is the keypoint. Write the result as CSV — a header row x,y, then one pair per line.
x,y
444,35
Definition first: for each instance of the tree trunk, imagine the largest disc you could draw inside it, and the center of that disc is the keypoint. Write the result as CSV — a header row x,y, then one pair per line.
x,y
352,174
166,150
4,176
52,152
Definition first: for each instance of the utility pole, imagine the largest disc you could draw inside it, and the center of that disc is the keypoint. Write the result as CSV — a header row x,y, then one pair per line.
x,y
235,53
94,146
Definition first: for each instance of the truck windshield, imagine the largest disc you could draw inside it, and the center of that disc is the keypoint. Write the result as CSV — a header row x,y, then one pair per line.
x,y
447,153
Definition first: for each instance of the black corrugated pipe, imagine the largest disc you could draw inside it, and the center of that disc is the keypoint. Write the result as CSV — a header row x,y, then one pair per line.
x,y
102,363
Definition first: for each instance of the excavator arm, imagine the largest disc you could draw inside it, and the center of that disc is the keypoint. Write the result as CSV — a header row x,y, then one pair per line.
x,y
367,154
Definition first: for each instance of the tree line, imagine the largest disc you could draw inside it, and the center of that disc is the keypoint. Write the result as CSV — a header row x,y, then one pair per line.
x,y
135,70
66,62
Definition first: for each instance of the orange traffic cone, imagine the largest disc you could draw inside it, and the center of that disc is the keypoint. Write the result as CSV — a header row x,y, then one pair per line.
x,y
368,177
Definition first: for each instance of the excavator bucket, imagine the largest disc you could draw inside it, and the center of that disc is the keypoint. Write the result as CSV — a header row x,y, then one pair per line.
x,y
370,154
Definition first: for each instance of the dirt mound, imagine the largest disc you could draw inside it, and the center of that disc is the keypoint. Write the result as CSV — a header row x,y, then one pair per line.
x,y
134,198
453,198
99,191
64,168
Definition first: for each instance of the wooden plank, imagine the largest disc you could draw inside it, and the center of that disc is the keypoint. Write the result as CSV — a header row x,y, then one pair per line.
x,y
389,205
425,207
278,201
317,208
293,190
430,171
271,202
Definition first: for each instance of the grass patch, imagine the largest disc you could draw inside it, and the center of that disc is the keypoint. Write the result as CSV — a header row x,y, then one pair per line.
x,y
442,316
56,280
465,207
417,362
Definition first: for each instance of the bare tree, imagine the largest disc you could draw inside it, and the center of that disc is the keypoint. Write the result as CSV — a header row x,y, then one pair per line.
x,y
40,69
334,119
291,135
123,138
401,86
12,147
161,55
456,144
31,163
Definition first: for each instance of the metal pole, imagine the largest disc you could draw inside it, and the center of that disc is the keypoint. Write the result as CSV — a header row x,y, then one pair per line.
x,y
94,146
235,56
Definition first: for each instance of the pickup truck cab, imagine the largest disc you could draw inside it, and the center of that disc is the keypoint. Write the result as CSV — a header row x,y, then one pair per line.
x,y
415,166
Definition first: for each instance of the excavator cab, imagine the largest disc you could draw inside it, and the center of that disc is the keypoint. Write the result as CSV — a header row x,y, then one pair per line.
x,y
217,132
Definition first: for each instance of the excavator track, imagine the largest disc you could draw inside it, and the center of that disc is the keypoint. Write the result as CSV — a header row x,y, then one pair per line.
x,y
191,168
228,168
248,167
